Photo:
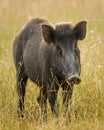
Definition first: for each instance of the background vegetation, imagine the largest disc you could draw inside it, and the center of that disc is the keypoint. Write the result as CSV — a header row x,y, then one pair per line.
x,y
88,97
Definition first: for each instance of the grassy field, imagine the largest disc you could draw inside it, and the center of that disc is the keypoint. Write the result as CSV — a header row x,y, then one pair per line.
x,y
88,97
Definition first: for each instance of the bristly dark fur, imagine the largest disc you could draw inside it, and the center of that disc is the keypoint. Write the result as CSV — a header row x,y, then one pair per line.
x,y
63,31
49,57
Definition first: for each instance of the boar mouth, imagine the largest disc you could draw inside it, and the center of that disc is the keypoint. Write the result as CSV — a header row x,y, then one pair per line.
x,y
73,80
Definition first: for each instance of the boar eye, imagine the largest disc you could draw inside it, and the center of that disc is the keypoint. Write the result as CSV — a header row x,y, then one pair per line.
x,y
59,50
76,49
74,46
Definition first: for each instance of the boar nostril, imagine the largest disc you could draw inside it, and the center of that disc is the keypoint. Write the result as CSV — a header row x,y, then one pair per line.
x,y
78,80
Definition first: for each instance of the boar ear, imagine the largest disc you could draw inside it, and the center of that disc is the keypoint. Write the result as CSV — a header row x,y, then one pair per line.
x,y
48,33
80,30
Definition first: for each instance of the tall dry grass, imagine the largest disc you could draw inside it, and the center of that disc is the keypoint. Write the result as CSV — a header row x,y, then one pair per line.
x,y
88,97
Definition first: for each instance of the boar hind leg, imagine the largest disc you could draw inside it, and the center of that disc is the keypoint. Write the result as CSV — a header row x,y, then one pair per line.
x,y
21,86
52,97
42,100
